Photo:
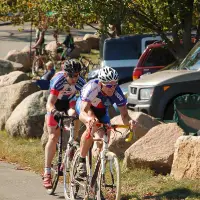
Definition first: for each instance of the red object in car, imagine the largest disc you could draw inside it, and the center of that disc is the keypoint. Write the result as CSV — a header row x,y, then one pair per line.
x,y
155,57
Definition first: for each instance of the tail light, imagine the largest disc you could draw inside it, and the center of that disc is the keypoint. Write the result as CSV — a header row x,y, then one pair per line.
x,y
137,73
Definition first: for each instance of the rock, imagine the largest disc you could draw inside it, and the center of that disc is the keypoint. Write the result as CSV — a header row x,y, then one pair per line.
x,y
51,46
8,66
155,150
83,46
27,119
75,53
11,96
20,57
93,40
117,142
12,78
26,49
186,163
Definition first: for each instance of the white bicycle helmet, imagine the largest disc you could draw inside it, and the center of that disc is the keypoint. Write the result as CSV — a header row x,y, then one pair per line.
x,y
107,74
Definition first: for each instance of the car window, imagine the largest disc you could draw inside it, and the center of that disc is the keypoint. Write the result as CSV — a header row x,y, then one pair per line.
x,y
121,51
159,57
148,42
192,60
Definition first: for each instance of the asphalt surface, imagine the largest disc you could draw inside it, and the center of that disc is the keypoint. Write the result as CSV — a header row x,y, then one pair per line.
x,y
16,184
17,37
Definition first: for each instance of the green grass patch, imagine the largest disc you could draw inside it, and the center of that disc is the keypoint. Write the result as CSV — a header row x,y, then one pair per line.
x,y
137,184
26,152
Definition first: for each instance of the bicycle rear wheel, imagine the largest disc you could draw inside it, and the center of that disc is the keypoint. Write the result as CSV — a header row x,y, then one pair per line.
x,y
38,67
66,170
109,183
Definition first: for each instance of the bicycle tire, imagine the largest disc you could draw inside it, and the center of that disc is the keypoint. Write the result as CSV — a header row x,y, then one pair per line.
x,y
35,67
75,188
104,181
66,171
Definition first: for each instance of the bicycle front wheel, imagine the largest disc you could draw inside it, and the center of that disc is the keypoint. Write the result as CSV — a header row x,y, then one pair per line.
x,y
78,188
66,170
54,174
109,179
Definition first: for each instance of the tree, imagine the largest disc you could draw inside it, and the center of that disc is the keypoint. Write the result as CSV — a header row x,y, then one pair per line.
x,y
178,17
163,17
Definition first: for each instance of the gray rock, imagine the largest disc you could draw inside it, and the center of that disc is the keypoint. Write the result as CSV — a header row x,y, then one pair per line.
x,y
8,66
12,78
11,96
186,163
117,142
28,117
20,57
155,150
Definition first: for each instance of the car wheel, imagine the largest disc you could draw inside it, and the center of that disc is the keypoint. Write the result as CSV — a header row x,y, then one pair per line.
x,y
169,112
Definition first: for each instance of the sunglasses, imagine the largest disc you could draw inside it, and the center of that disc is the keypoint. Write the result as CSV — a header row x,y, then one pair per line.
x,y
110,85
73,75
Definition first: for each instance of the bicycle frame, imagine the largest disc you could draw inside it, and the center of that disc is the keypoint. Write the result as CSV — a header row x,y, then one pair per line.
x,y
101,159
71,138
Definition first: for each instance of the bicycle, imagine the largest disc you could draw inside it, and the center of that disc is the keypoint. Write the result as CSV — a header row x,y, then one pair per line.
x,y
104,182
61,167
38,65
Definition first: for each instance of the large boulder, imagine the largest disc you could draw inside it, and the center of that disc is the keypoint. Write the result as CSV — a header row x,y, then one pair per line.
x,y
11,96
20,57
8,66
12,78
93,40
75,53
83,46
51,46
117,142
28,117
186,163
155,150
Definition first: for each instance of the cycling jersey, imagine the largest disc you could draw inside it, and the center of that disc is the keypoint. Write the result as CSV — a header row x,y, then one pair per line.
x,y
91,92
65,93
61,88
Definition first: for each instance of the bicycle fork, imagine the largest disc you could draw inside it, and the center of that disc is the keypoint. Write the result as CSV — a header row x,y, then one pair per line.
x,y
68,155
106,157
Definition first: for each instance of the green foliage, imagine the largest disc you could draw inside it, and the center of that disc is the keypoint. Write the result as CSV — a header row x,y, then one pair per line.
x,y
134,16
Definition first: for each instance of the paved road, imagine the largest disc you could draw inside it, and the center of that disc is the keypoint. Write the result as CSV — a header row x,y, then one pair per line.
x,y
23,185
11,38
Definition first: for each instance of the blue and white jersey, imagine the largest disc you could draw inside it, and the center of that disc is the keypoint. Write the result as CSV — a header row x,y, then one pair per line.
x,y
61,88
91,92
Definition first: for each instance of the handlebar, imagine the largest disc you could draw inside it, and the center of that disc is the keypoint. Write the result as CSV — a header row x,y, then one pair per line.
x,y
114,127
63,116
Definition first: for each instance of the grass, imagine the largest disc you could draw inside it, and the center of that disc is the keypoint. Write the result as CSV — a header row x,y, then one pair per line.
x,y
93,56
137,184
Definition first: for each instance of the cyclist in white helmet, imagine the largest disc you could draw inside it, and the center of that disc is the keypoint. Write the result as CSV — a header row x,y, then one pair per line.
x,y
92,107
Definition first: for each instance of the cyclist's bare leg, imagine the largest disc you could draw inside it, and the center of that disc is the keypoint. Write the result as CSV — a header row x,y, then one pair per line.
x,y
72,112
50,147
99,134
86,139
